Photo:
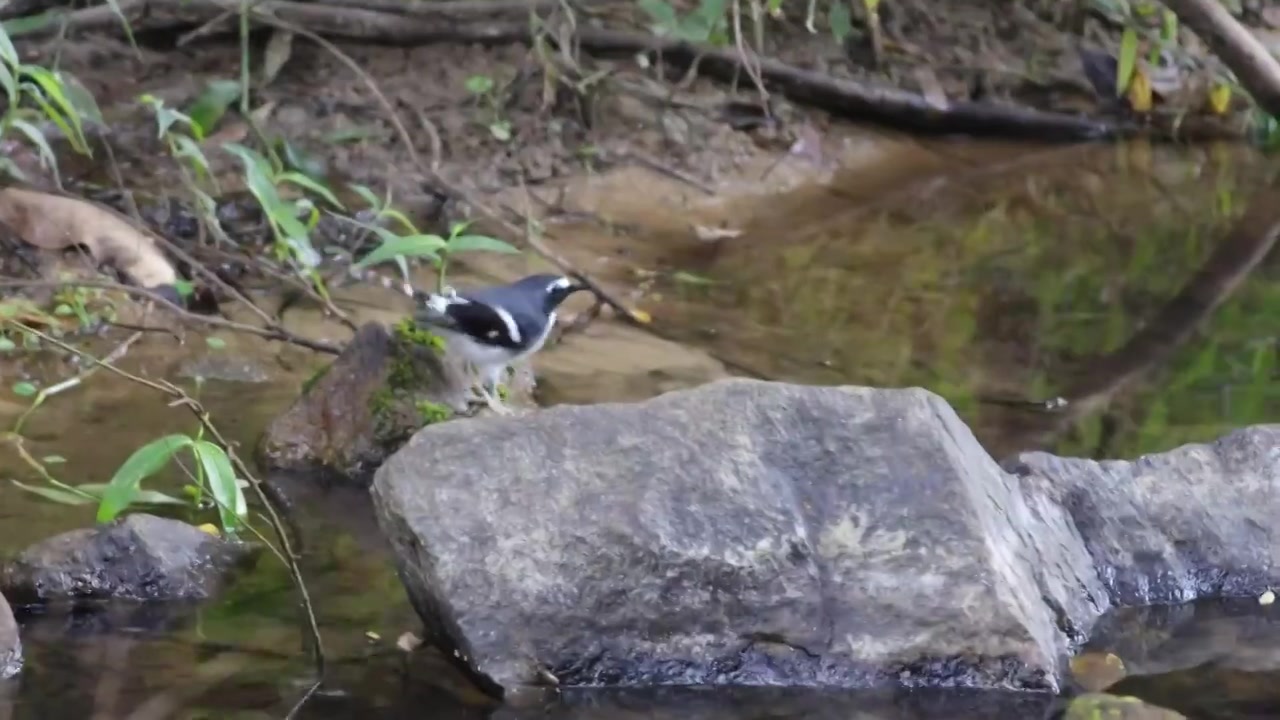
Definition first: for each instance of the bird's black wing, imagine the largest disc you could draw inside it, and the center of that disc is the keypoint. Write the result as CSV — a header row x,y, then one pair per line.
x,y
477,320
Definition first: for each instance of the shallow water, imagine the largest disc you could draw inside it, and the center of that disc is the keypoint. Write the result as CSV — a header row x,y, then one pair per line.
x,y
993,278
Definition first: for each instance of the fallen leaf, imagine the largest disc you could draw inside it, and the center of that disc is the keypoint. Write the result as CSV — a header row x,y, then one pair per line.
x,y
408,642
279,49
210,528
711,234
1220,98
931,88
57,222
641,317
1139,93
1097,671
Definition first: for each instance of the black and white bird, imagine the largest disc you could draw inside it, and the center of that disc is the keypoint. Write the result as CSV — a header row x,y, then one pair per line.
x,y
492,328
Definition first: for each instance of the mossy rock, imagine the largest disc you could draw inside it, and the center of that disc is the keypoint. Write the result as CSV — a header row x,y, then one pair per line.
x,y
1100,706
370,400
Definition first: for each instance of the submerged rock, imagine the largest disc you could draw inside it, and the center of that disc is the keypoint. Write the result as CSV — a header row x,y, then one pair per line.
x,y
1194,522
380,390
137,557
743,532
10,643
1098,706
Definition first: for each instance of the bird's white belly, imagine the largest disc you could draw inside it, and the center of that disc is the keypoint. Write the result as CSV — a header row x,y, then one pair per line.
x,y
490,356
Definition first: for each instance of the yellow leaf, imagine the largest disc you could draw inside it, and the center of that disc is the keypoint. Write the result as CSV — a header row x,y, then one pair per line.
x,y
1220,98
1140,92
641,317
211,529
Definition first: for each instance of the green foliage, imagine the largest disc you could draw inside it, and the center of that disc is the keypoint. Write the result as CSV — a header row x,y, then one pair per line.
x,y
433,413
35,94
484,88
417,244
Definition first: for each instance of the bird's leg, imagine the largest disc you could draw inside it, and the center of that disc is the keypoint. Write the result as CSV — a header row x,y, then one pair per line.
x,y
490,390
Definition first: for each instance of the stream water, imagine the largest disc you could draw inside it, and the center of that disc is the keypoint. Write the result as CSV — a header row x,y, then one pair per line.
x,y
998,284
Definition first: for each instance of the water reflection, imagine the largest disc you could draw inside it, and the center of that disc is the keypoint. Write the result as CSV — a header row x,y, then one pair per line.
x,y
1130,278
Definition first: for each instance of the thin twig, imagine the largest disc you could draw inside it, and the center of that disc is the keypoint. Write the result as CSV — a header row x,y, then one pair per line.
x,y
270,334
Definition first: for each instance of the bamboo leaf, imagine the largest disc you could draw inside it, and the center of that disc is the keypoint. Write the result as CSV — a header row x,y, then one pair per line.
x,y
1127,61
480,243
408,246
221,477
60,496
143,463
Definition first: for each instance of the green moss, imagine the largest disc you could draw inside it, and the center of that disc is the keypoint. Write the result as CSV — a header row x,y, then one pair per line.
x,y
380,402
409,331
432,412
315,377
503,393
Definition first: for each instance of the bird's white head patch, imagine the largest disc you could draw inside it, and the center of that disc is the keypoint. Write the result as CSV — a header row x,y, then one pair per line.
x,y
563,283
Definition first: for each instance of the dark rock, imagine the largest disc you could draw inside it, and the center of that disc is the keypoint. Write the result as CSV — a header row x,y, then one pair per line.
x,y
374,395
1095,706
10,643
1195,522
740,533
137,557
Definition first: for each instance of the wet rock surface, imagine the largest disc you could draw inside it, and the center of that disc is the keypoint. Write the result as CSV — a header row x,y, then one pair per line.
x,y
137,557
10,643
362,406
743,532
1194,522
704,704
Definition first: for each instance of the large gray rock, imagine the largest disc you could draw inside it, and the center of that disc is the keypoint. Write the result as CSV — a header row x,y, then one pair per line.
x,y
1191,523
10,644
743,532
137,557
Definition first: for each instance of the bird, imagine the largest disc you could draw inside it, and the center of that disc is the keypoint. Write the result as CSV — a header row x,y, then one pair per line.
x,y
494,327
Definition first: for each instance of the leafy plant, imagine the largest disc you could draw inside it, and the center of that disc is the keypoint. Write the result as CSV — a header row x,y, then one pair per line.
x,y
418,244
56,97
484,89
292,235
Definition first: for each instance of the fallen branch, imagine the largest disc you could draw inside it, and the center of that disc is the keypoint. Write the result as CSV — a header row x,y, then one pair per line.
x,y
846,98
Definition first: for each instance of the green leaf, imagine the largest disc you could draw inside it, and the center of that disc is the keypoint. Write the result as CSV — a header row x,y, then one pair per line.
x,y
7,345
221,477
409,246
186,147
216,343
1128,60
480,243
500,130
661,13
479,84
366,194
62,496
37,138
212,104
143,463
19,26
307,183
146,497
53,459
841,21
24,389
8,53
53,89
82,101
63,310
9,83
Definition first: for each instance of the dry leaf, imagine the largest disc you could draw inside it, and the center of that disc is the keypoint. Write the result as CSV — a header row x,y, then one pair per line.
x,y
711,234
641,317
57,222
1139,93
408,642
931,88
1220,98
279,49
